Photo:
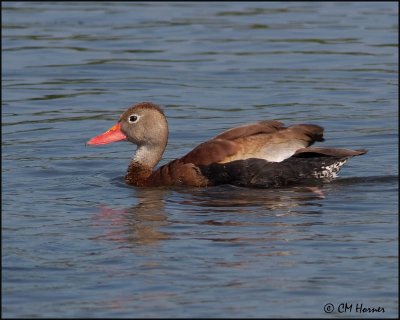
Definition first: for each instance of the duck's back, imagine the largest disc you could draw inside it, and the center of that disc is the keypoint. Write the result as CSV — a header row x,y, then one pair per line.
x,y
263,154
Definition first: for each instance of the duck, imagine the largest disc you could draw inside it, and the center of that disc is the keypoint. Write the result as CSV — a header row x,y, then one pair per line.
x,y
264,154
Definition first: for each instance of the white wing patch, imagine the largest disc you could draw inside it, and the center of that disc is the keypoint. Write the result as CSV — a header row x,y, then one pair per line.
x,y
277,152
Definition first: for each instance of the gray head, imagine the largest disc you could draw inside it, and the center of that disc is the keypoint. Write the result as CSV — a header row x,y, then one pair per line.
x,y
145,124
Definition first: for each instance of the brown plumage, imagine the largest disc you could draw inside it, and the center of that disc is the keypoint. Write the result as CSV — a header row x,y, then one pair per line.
x,y
262,154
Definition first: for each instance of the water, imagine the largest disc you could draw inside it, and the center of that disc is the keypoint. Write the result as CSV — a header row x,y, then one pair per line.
x,y
78,242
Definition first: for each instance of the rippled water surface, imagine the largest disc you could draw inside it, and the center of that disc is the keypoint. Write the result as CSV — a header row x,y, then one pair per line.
x,y
78,242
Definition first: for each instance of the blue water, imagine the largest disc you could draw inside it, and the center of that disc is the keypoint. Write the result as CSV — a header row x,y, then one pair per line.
x,y
78,242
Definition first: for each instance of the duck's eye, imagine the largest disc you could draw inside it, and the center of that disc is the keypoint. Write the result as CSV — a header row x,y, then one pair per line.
x,y
133,118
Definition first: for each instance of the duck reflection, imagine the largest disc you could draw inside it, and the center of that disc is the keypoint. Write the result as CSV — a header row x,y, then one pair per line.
x,y
138,224
143,222
245,198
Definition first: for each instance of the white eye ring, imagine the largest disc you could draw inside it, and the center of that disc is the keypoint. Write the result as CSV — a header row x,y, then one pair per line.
x,y
133,118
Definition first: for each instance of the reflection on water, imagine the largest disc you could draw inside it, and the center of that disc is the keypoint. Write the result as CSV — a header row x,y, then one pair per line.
x,y
143,222
146,222
240,199
139,224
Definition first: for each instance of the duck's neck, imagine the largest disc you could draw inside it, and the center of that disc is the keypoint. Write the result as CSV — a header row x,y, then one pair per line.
x,y
141,167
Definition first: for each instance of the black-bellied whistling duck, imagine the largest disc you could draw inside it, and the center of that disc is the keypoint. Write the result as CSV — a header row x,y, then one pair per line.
x,y
262,154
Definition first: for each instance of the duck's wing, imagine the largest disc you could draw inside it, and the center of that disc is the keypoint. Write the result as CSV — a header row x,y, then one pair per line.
x,y
267,140
331,152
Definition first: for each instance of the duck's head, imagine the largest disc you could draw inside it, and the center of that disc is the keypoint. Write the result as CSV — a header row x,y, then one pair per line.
x,y
143,124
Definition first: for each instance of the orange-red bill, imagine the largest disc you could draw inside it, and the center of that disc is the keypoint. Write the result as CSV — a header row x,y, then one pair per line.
x,y
111,135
